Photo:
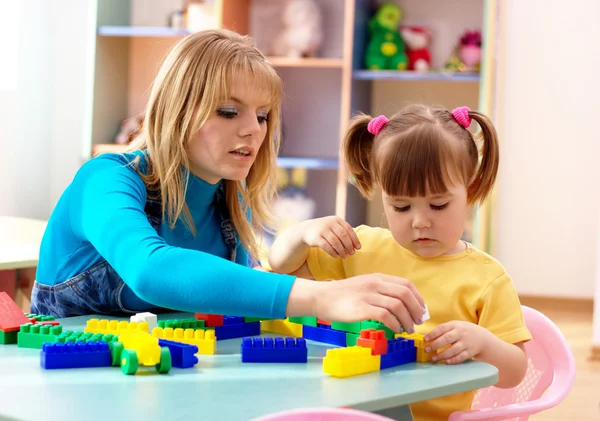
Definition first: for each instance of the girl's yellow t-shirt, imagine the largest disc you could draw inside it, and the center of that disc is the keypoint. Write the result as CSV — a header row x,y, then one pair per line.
x,y
469,286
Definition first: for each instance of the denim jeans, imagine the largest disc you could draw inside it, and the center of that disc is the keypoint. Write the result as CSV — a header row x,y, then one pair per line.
x,y
97,290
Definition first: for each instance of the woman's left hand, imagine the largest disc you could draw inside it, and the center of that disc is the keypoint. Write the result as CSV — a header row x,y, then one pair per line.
x,y
463,341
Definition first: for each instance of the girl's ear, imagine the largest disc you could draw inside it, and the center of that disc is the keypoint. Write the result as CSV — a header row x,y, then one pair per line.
x,y
299,177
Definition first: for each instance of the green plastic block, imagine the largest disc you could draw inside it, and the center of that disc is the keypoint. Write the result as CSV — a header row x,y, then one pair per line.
x,y
39,317
181,324
7,338
305,320
373,324
255,319
353,327
33,336
351,339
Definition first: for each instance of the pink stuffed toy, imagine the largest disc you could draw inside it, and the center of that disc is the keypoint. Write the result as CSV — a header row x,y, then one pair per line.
x,y
417,41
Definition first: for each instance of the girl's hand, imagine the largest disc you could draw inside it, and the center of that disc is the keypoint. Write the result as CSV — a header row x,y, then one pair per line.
x,y
464,341
332,234
388,299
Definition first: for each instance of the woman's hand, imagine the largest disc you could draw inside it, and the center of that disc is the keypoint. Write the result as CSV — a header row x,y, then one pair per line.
x,y
332,234
464,340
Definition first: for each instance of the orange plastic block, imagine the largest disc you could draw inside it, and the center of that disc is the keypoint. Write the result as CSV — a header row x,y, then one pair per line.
x,y
282,327
374,339
113,326
350,361
205,340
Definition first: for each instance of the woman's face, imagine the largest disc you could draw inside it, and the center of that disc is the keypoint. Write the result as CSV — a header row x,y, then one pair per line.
x,y
227,144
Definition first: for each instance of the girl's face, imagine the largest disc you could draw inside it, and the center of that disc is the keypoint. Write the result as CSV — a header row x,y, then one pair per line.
x,y
226,145
428,226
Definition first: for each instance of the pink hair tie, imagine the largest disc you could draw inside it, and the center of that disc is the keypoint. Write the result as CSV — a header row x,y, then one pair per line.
x,y
376,124
461,114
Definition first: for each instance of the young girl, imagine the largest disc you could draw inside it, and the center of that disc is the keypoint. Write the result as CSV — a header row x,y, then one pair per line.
x,y
171,224
427,164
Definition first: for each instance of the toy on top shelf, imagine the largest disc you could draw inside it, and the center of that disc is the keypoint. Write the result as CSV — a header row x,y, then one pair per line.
x,y
386,49
274,350
466,57
417,40
302,34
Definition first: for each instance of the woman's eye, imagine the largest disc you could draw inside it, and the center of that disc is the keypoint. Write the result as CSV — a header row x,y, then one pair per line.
x,y
439,207
227,113
263,119
401,208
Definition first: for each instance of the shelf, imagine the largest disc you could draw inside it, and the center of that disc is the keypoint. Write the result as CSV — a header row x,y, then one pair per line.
x,y
306,62
283,162
141,31
411,75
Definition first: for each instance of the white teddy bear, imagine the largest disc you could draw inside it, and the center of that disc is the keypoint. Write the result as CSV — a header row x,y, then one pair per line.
x,y
302,33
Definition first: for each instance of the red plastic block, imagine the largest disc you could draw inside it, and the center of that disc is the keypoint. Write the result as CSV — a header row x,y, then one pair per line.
x,y
210,320
50,322
323,322
374,339
11,316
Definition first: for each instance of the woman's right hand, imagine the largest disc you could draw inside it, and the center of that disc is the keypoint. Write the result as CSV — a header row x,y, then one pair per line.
x,y
391,300
330,233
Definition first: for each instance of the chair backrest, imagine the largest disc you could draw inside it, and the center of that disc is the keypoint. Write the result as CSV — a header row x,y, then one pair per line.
x,y
551,368
322,414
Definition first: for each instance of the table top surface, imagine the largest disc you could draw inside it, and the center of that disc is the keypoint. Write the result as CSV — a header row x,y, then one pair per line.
x,y
220,386
20,240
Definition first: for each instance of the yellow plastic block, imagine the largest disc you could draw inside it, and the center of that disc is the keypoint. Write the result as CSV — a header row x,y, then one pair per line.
x,y
282,327
113,326
205,340
145,345
350,361
422,356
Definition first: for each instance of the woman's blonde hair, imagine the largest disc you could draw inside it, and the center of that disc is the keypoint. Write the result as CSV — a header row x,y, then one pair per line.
x,y
419,150
191,83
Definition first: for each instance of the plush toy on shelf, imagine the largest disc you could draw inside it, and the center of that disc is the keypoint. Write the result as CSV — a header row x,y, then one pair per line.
x,y
417,40
467,55
386,50
302,34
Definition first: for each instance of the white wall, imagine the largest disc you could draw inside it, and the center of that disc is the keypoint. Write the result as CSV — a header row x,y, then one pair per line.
x,y
549,186
43,120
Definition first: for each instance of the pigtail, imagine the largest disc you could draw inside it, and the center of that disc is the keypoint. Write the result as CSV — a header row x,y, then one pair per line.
x,y
357,149
485,177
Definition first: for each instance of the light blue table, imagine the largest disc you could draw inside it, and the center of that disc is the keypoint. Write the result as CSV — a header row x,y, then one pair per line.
x,y
219,387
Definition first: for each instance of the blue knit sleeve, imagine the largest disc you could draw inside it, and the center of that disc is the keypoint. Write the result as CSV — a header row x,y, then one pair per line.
x,y
107,210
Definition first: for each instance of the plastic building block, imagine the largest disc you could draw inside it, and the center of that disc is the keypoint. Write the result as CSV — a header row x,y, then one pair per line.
x,y
237,331
11,316
210,320
422,356
352,361
353,327
374,324
274,350
7,338
34,336
324,335
149,318
73,337
113,326
255,319
232,320
426,314
204,340
351,339
374,339
79,355
136,347
283,327
304,320
38,318
400,351
182,355
49,323
181,324
323,322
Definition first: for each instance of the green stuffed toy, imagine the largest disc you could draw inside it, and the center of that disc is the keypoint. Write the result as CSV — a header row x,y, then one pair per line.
x,y
386,49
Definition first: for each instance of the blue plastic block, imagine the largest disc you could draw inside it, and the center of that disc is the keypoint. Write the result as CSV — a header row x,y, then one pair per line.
x,y
232,320
400,351
274,350
237,331
324,334
75,355
182,355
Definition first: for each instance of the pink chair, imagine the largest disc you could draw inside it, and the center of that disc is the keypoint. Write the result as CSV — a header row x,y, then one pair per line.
x,y
550,376
322,414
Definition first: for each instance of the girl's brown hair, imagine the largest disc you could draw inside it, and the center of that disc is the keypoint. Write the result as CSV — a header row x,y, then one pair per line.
x,y
191,83
419,151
